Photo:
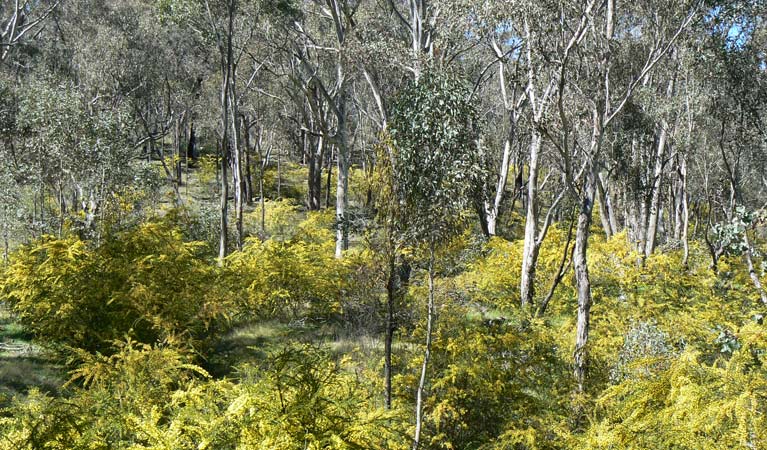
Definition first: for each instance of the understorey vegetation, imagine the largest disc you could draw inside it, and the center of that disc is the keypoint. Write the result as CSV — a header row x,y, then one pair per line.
x,y
347,224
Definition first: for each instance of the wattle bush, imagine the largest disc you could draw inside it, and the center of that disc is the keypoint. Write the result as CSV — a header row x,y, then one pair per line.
x,y
146,284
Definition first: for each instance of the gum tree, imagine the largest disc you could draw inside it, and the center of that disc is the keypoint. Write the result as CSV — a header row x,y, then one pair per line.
x,y
436,160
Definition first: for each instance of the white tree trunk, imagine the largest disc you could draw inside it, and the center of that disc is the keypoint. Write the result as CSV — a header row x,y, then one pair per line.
x,y
530,252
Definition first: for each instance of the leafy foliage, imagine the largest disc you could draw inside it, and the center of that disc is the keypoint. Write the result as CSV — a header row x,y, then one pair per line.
x,y
147,397
145,283
692,404
437,153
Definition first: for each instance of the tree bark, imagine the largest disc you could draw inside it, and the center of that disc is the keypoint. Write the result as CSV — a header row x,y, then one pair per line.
x,y
531,247
227,59
430,319
752,272
237,179
685,214
583,281
492,210
652,222
315,174
605,212
248,163
342,185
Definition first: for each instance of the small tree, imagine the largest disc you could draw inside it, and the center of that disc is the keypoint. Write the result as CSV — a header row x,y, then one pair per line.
x,y
436,159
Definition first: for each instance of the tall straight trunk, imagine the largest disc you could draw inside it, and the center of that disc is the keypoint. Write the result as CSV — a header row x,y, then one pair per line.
x,y
329,179
342,185
261,199
227,58
261,169
191,148
6,244
583,282
62,209
611,210
644,215
530,252
491,211
430,319
655,202
677,194
177,151
248,164
224,203
237,179
279,172
655,211
685,213
315,174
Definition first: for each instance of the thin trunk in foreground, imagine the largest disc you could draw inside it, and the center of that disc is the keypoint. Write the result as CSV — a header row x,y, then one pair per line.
x,y
427,353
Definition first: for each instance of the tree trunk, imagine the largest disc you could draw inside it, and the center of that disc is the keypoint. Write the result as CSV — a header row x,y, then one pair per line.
x,y
248,163
279,172
224,204
191,148
652,223
262,200
329,179
389,336
227,59
583,282
62,209
530,252
492,211
315,174
6,247
342,185
605,213
237,179
427,353
752,272
685,213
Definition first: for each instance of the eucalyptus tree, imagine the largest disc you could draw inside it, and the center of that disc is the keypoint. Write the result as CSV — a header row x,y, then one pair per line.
x,y
735,98
606,90
322,72
591,54
126,55
436,159
514,101
71,148
21,20
228,26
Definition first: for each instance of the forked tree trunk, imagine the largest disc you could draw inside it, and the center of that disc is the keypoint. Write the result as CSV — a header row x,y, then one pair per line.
x,y
605,210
